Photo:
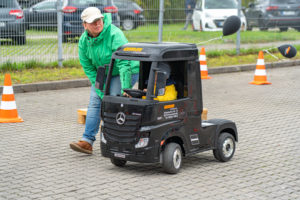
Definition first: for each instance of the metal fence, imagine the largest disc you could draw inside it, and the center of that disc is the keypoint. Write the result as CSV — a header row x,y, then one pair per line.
x,y
41,38
39,19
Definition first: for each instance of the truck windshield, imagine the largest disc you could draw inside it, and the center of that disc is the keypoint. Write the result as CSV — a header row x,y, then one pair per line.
x,y
217,4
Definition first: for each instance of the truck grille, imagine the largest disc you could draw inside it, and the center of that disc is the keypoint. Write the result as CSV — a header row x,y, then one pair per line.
x,y
125,133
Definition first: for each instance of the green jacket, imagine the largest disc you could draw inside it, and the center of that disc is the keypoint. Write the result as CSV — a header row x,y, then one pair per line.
x,y
95,52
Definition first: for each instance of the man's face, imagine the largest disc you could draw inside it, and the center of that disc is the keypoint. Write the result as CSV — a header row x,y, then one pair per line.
x,y
94,28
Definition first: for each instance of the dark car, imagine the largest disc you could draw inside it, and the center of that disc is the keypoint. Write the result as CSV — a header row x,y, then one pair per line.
x,y
12,23
273,13
131,14
28,3
44,15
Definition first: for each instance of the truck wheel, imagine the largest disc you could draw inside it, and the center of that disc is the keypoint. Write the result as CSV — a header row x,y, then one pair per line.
x,y
225,147
118,162
172,158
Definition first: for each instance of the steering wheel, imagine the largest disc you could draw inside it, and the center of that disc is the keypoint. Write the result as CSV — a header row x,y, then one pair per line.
x,y
135,93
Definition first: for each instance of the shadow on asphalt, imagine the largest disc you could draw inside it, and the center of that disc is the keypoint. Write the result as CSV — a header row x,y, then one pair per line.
x,y
148,169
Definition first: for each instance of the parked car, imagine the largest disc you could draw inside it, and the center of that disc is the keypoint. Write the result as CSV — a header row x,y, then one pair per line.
x,y
131,14
28,3
273,13
44,14
12,23
209,15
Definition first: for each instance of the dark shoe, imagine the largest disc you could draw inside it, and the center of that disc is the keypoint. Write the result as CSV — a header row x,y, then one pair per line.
x,y
82,146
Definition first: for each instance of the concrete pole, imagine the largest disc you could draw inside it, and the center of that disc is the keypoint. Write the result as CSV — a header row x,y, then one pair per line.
x,y
160,21
238,35
59,32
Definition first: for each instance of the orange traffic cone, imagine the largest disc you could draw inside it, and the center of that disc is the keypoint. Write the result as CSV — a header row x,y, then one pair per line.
x,y
8,108
260,76
203,65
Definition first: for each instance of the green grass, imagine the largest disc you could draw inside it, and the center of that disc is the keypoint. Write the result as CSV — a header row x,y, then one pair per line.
x,y
45,74
38,72
173,33
43,45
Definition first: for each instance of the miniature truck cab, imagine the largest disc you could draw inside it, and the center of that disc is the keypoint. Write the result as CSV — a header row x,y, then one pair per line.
x,y
147,130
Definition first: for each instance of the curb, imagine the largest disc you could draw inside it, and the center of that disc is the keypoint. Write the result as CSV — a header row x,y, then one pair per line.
x,y
57,85
249,67
51,85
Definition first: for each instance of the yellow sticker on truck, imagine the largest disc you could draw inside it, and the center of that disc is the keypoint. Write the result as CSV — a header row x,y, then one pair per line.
x,y
133,49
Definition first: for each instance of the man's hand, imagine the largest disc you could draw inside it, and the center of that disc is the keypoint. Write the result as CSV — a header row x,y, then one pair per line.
x,y
126,95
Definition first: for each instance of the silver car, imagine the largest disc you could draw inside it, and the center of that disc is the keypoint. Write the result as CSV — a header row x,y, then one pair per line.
x,y
266,14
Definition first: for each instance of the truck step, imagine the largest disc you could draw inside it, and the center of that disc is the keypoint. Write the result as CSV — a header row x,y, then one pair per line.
x,y
81,115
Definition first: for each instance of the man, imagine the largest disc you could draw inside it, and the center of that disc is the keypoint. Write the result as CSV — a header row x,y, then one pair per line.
x,y
189,9
96,45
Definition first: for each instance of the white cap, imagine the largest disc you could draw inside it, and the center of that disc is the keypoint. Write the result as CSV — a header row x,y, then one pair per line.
x,y
90,14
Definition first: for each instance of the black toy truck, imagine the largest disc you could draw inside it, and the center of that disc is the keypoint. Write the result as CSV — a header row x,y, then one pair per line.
x,y
149,131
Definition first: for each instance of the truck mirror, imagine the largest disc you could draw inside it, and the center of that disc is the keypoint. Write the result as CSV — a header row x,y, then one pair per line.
x,y
287,51
231,25
100,78
160,83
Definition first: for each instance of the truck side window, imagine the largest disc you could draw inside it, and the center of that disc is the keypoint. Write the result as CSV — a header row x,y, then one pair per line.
x,y
179,75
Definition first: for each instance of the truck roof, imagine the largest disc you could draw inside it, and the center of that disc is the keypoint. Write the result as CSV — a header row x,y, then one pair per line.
x,y
167,51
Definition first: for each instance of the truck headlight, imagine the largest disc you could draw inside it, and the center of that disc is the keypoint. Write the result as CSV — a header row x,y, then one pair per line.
x,y
103,138
143,142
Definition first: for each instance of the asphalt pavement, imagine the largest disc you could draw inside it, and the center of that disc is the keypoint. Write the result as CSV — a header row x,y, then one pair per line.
x,y
37,163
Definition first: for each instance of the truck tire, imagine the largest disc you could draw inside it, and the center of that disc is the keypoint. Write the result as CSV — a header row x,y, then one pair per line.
x,y
172,158
118,162
225,147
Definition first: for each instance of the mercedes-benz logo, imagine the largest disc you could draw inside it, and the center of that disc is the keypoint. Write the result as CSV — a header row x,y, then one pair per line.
x,y
120,118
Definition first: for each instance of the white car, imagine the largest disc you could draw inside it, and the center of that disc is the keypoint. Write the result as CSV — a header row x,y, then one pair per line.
x,y
209,15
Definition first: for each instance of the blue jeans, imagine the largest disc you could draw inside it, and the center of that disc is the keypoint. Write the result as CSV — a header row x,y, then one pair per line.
x,y
93,117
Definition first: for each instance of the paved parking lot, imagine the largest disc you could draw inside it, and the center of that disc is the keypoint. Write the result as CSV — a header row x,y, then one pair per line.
x,y
36,162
